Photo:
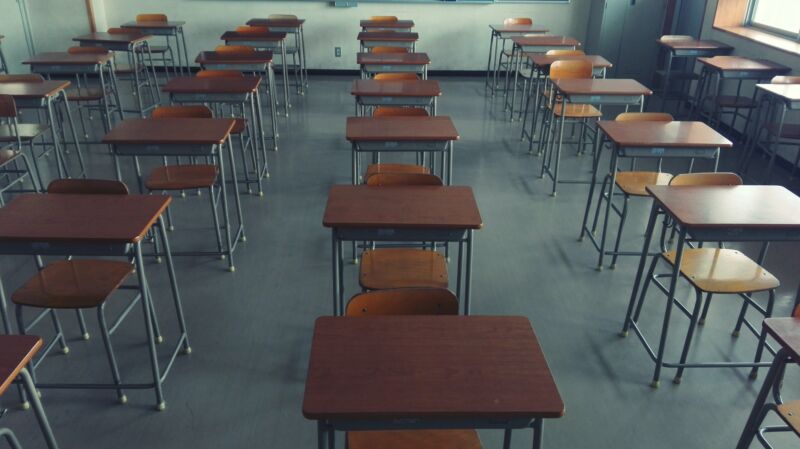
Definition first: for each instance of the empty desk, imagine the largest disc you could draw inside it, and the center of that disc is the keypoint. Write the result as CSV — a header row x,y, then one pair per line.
x,y
686,49
372,63
780,98
168,29
294,27
371,39
419,93
266,41
497,40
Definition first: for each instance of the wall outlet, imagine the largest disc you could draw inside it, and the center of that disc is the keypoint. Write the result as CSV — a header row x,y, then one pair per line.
x,y
337,51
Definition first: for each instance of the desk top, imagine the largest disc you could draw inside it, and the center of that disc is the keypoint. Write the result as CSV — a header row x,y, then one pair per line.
x,y
663,134
404,24
233,36
393,58
544,60
772,207
601,86
389,36
170,131
28,90
277,23
396,88
428,367
409,129
787,332
145,25
741,64
790,92
107,38
15,353
693,44
80,219
519,28
195,85
64,58
415,207
545,40
212,57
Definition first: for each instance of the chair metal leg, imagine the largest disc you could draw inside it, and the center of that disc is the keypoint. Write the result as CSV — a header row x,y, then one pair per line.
x,y
44,424
112,361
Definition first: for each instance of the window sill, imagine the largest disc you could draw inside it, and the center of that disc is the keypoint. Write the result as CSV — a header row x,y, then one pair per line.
x,y
781,43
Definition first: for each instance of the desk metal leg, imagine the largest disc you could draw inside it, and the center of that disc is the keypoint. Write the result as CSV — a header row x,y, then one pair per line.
x,y
285,74
774,144
273,98
148,322
468,273
665,83
173,283
756,413
74,134
226,210
41,417
596,150
648,237
609,201
489,62
538,433
336,257
62,166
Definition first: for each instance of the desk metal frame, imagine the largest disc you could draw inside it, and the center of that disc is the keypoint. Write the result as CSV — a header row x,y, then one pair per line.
x,y
776,106
270,46
404,146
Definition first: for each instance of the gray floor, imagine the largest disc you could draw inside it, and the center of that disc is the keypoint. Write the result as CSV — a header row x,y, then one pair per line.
x,y
250,330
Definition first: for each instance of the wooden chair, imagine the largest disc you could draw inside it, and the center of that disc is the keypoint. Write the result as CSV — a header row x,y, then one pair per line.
x,y
142,61
15,167
83,95
396,77
530,79
506,53
388,50
396,111
384,19
77,284
154,17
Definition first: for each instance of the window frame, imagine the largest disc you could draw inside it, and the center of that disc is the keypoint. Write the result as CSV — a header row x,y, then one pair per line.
x,y
750,22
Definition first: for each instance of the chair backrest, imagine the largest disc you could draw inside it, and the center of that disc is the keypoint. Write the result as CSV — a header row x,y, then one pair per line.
x,y
644,117
403,179
8,107
404,301
151,18
124,31
88,187
395,76
518,21
676,37
571,69
22,78
282,17
387,19
247,29
87,51
785,80
706,179
396,111
219,74
565,53
235,49
190,111
385,50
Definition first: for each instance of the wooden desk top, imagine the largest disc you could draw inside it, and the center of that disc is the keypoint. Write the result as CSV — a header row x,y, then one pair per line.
x,y
741,64
379,24
233,36
519,28
772,207
396,88
428,367
277,23
693,44
601,86
393,58
144,25
64,58
389,36
545,40
195,85
542,60
212,57
787,332
387,129
80,219
790,92
31,90
663,135
170,131
101,38
420,207
15,353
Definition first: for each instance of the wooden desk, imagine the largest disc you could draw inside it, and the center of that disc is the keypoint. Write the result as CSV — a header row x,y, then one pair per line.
x,y
98,226
372,63
499,34
371,39
689,140
170,29
113,42
714,214
183,137
419,93
423,372
16,352
399,25
402,214
403,134
291,26
779,99
686,48
264,41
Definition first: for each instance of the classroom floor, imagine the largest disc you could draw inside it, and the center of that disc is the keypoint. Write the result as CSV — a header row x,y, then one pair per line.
x,y
250,331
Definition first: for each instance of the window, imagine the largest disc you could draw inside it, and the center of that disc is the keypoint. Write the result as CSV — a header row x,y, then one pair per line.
x,y
779,16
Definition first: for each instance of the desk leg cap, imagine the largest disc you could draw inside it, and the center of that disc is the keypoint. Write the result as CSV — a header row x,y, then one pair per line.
x,y
188,350
65,350
231,268
161,406
171,228
158,259
677,380
655,384
261,193
25,405
753,375
599,268
160,339
613,266
735,334
222,257
554,194
123,399
85,336
244,238
623,334
183,194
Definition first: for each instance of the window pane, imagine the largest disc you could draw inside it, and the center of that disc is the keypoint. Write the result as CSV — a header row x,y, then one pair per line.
x,y
781,14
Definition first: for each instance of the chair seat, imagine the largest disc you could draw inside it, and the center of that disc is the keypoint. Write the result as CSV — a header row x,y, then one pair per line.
x,y
790,130
732,101
395,168
84,94
7,156
73,284
179,177
577,111
27,131
716,270
790,412
633,183
414,439
386,268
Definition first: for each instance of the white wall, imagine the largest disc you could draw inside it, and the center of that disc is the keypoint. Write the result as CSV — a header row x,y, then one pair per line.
x,y
456,36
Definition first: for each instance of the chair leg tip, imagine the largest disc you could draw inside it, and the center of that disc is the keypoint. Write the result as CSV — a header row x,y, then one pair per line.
x,y
261,192
231,268
65,350
701,321
171,228
735,334
123,399
160,339
85,336
554,194
655,384
599,268
25,405
613,266
187,350
161,406
222,257
753,375
158,259
244,238
676,380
